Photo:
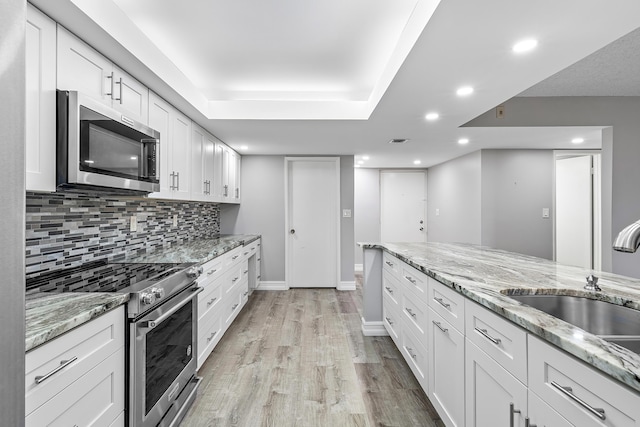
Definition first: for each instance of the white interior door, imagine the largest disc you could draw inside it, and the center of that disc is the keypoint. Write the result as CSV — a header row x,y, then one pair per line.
x,y
574,226
312,223
402,206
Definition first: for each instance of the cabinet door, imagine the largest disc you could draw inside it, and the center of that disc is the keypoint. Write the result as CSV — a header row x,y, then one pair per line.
x,y
83,69
180,146
198,185
226,185
160,119
542,415
238,170
130,97
490,391
40,101
446,376
209,165
218,172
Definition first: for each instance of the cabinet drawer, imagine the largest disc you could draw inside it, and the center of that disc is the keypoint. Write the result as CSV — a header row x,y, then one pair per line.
x,y
87,346
447,303
414,314
212,269
414,280
416,356
209,299
233,304
209,333
391,263
244,291
391,319
502,340
391,288
95,399
244,269
577,391
232,280
233,257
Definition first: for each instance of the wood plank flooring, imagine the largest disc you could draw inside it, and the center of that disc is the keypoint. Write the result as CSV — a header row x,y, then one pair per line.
x,y
298,358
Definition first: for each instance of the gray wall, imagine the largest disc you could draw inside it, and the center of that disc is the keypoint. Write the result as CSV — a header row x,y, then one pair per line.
x,y
516,185
262,211
620,155
454,188
367,208
12,208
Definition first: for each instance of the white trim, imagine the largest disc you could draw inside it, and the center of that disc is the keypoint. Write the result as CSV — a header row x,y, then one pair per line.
x,y
347,286
358,268
287,250
374,329
272,286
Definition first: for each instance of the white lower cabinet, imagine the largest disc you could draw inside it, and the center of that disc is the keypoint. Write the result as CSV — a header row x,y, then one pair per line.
x,y
78,378
493,397
446,375
541,414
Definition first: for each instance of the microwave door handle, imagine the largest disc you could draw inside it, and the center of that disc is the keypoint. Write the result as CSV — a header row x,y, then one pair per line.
x,y
144,158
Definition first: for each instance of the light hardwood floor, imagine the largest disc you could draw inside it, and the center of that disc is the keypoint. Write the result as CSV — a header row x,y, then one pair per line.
x,y
298,358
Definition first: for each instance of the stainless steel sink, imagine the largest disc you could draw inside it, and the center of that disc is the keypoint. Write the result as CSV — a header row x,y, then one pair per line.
x,y
614,323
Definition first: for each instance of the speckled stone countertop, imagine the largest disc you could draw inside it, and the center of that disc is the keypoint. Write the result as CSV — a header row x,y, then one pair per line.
x,y
488,276
197,250
50,315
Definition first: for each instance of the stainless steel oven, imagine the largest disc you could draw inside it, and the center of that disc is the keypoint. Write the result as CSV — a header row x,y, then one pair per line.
x,y
163,361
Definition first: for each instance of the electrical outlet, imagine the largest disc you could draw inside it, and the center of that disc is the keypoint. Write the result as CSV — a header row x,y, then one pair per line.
x,y
175,220
133,223
346,213
500,112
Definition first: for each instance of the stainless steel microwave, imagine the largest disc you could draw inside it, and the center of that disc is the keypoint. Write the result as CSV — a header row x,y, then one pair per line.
x,y
100,149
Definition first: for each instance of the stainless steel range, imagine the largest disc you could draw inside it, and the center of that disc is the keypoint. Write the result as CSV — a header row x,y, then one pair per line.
x,y
162,331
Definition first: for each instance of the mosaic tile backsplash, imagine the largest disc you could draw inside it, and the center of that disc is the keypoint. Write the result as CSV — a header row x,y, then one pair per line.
x,y
66,230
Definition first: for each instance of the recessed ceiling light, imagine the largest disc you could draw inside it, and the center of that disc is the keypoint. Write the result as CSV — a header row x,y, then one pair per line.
x,y
577,140
416,162
361,162
398,141
463,141
357,166
432,116
464,91
244,147
365,157
525,45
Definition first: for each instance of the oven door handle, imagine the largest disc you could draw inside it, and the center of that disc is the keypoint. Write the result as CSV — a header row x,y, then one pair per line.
x,y
150,324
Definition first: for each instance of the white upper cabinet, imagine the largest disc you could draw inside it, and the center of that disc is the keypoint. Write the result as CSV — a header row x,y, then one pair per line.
x,y
40,101
174,148
82,68
227,174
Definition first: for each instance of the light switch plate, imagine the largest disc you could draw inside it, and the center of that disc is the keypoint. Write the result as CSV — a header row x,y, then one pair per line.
x,y
346,213
545,212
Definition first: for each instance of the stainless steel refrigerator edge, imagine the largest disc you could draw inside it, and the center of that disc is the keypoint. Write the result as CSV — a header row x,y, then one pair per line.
x,y
12,209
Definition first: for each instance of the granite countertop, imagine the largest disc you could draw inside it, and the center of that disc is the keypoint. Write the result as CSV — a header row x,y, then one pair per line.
x,y
198,250
487,276
49,315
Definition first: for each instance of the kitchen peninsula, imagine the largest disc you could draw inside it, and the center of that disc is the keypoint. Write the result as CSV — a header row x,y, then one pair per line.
x,y
431,297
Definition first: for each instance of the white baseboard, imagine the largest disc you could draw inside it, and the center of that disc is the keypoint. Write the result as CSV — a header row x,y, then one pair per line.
x,y
358,268
272,286
373,329
347,286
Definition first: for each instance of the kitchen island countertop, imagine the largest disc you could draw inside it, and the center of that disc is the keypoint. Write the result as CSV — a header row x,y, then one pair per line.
x,y
488,276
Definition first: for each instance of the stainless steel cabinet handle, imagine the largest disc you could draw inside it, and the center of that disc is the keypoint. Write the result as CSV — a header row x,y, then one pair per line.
x,y
390,264
389,321
246,253
212,301
110,93
411,279
211,336
178,179
485,334
119,83
234,307
210,272
512,411
237,193
410,312
235,256
245,272
439,325
389,290
245,294
226,191
234,280
568,391
442,303
63,364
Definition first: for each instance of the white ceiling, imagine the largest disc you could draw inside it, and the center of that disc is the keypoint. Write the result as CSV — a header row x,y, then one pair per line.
x,y
265,73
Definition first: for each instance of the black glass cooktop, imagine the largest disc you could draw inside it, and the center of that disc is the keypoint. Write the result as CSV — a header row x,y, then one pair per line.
x,y
98,276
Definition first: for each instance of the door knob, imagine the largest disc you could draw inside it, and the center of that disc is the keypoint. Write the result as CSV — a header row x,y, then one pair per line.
x,y
292,231
421,222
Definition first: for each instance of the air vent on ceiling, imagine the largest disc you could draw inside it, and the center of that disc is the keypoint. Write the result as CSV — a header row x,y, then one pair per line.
x,y
398,141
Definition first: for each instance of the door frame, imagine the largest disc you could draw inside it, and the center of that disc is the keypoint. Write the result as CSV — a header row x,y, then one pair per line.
x,y
288,160
596,201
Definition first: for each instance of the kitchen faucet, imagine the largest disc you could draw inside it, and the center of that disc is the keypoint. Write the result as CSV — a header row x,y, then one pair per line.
x,y
628,239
